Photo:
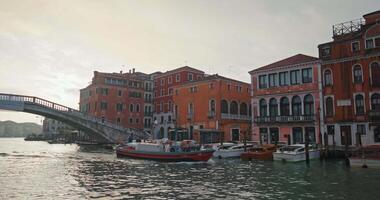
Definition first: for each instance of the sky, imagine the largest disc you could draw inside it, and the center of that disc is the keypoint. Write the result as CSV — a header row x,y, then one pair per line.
x,y
50,48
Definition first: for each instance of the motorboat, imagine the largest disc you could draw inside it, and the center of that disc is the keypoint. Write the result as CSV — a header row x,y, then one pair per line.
x,y
367,156
264,152
231,151
169,151
295,153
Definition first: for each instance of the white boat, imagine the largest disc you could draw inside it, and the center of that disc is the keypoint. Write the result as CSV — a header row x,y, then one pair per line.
x,y
231,151
368,156
295,153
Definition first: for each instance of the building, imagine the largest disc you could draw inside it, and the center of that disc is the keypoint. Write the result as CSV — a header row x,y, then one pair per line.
x,y
286,101
163,96
211,109
51,128
351,81
120,98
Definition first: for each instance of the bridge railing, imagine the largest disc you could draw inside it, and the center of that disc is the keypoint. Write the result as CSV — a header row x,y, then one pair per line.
x,y
59,107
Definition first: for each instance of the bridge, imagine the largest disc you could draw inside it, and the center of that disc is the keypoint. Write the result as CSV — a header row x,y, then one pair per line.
x,y
102,131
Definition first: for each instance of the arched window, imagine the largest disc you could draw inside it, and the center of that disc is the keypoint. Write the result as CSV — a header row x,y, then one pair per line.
x,y
243,109
296,106
131,108
329,106
234,108
212,105
359,104
375,102
327,77
263,108
358,74
284,106
273,107
224,106
308,105
375,74
190,110
137,107
170,106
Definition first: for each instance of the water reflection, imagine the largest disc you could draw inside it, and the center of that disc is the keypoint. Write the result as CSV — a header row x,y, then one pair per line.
x,y
37,171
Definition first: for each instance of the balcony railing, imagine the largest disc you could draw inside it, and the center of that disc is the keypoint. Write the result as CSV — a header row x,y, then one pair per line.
x,y
348,27
236,117
374,116
285,119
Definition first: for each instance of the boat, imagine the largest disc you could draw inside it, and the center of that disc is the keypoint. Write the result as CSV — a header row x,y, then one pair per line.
x,y
231,151
264,152
367,156
295,153
169,151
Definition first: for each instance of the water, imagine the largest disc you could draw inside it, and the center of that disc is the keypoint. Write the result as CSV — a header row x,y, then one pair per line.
x,y
38,170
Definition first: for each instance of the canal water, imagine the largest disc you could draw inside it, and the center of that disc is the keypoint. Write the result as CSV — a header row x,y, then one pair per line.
x,y
38,170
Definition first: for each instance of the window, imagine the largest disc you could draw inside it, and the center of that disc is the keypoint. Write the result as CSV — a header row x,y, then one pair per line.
x,y
104,91
243,109
272,80
234,108
169,80
308,105
307,76
162,81
190,77
118,120
284,106
375,74
177,78
224,106
326,51
263,81
229,87
170,91
119,107
361,129
296,106
137,107
169,118
329,106
137,120
273,107
355,46
357,71
131,120
375,102
161,106
297,135
212,106
170,106
119,92
274,135
328,78
283,76
263,108
103,105
311,132
211,85
359,104
295,77
369,44
191,109
131,108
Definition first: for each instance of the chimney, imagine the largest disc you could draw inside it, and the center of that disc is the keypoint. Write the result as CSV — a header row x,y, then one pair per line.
x,y
121,71
129,71
133,70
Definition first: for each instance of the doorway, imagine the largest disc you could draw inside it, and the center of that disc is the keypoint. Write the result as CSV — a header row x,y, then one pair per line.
x,y
235,134
345,133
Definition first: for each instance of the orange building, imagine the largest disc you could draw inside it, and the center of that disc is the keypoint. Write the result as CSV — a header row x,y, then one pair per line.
x,y
211,109
351,81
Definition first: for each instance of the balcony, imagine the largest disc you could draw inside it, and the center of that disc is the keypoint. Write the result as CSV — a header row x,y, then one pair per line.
x,y
374,116
148,114
285,119
211,114
235,117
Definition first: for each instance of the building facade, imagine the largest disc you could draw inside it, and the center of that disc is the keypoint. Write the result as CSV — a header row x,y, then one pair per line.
x,y
211,109
51,127
287,101
117,98
163,96
351,81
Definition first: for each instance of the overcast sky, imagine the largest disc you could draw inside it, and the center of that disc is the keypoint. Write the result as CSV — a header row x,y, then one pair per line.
x,y
50,48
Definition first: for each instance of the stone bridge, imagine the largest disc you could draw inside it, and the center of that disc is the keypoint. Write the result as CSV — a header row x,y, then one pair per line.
x,y
102,131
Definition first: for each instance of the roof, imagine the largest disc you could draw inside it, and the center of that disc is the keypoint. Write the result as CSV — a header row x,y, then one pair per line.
x,y
213,77
178,70
375,12
293,60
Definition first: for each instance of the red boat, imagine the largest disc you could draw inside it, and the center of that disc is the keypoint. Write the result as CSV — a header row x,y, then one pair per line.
x,y
264,152
163,152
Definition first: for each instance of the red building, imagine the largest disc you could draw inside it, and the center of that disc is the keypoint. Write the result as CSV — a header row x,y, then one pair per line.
x,y
163,96
286,101
120,98
211,109
351,81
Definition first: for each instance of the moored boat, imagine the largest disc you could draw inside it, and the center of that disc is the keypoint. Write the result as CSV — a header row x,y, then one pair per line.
x,y
264,152
295,153
232,151
367,156
186,151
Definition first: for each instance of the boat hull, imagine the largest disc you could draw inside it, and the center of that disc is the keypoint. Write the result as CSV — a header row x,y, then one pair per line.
x,y
295,157
257,156
166,156
228,153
